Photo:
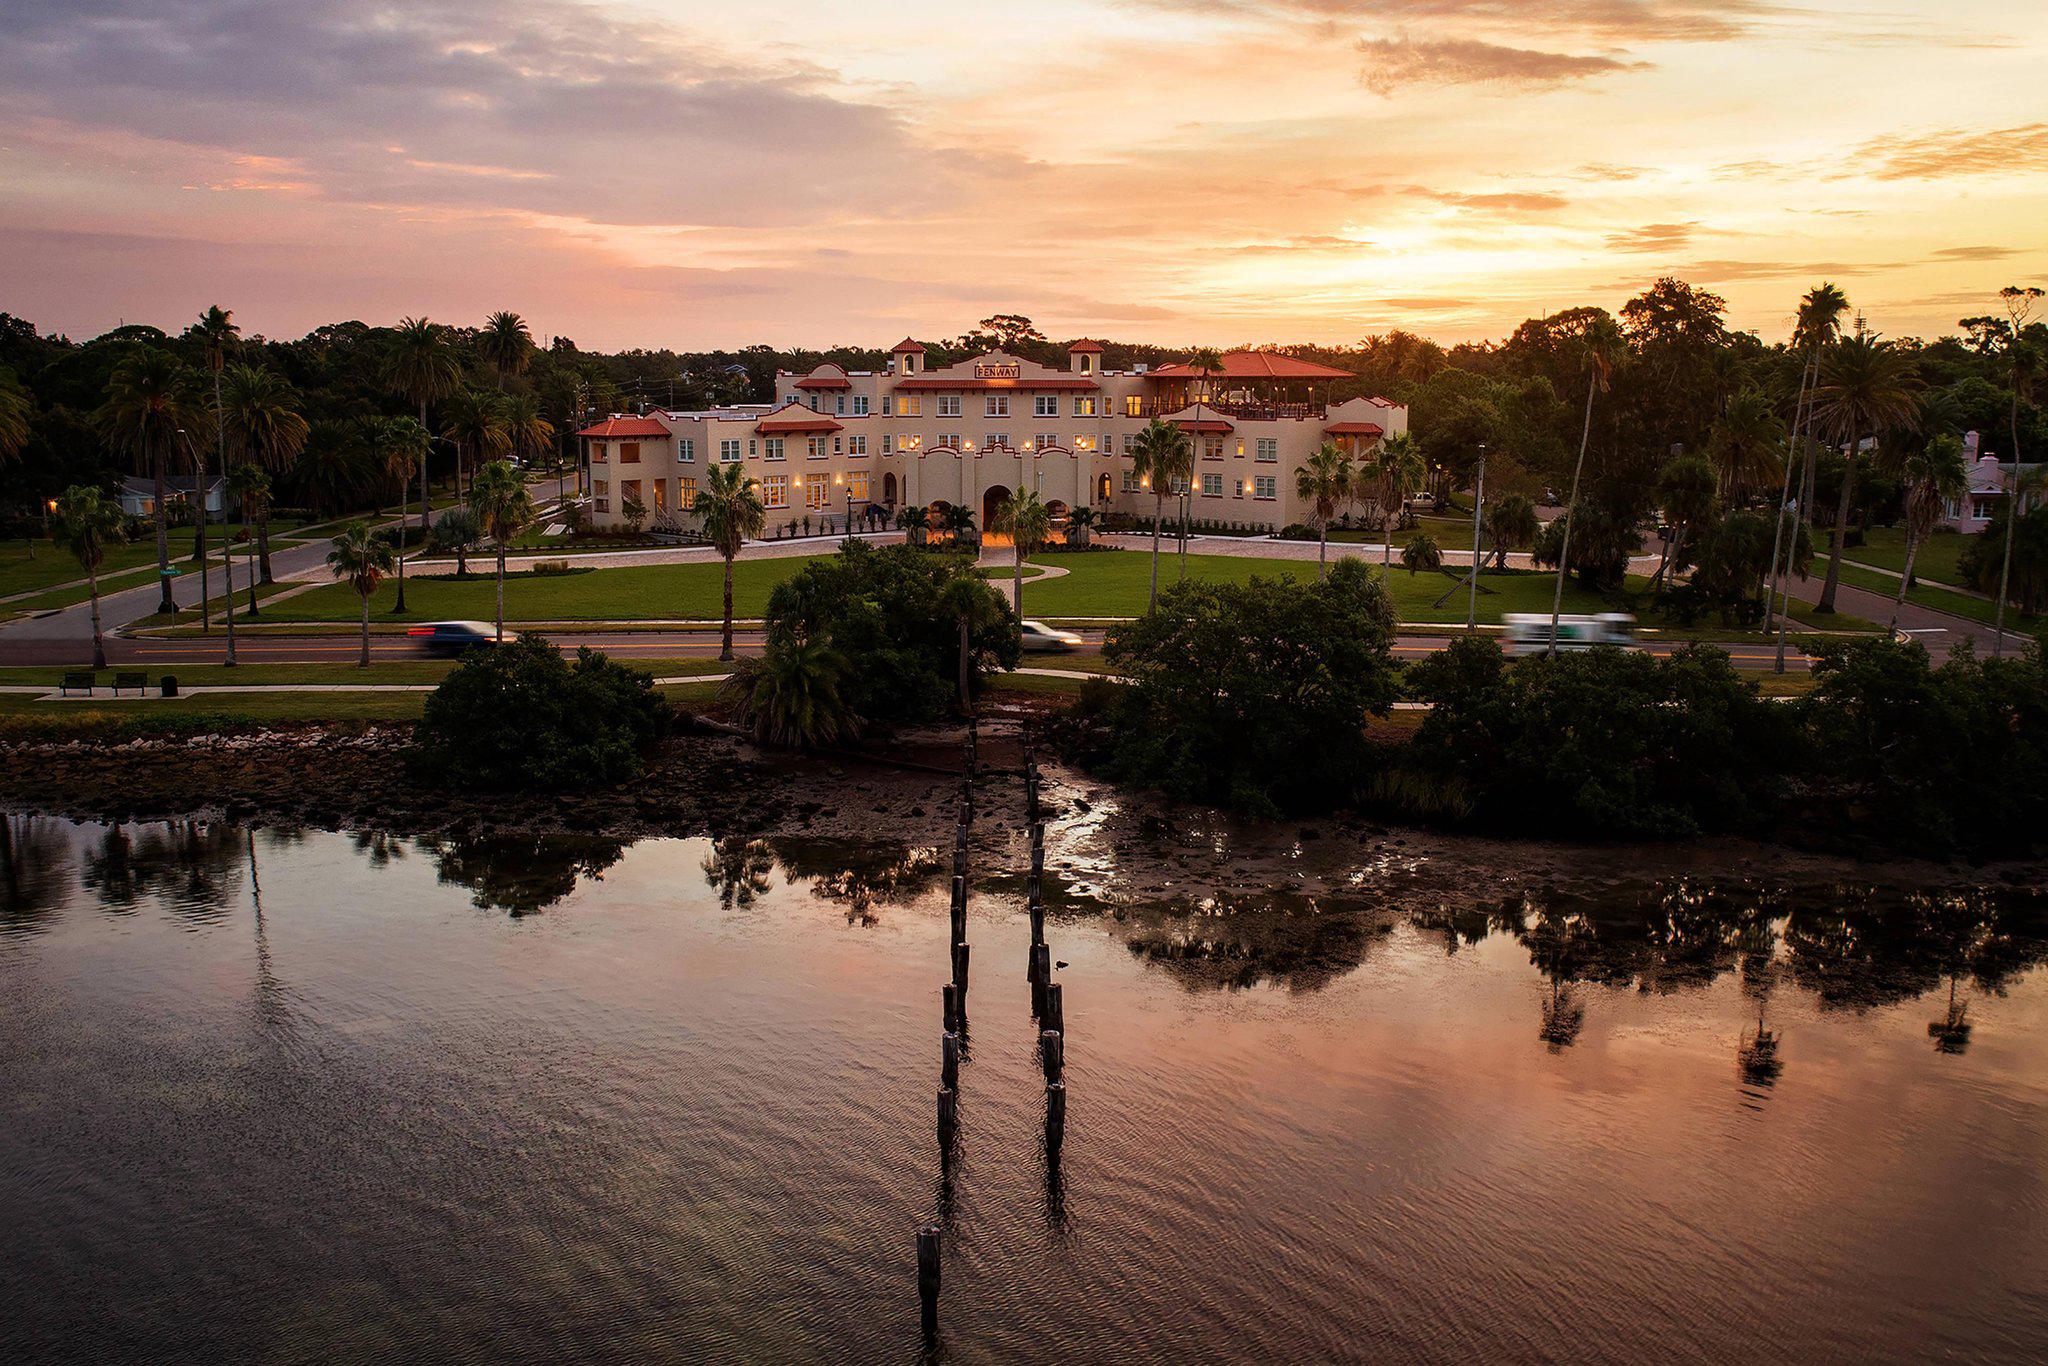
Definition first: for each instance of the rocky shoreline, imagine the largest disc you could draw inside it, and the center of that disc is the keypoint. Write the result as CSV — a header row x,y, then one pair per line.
x,y
1104,845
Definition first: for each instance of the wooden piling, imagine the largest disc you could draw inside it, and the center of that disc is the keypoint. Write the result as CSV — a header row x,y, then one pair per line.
x,y
949,1061
949,1117
1053,1052
1037,918
959,912
949,999
928,1277
1055,1114
1039,974
960,952
1055,1015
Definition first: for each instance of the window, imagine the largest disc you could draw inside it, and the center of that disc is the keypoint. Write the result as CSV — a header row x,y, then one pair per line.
x,y
660,494
817,493
839,404
1045,405
910,405
1134,405
838,444
888,405
949,441
949,405
686,493
686,448
775,491
1130,443
629,491
857,485
604,505
1178,486
1212,486
993,440
1084,406
1212,448
729,451
752,445
888,444
995,405
1084,443
1047,440
1131,484
774,448
629,452
1268,448
860,405
1265,486
600,487
856,445
600,450
815,449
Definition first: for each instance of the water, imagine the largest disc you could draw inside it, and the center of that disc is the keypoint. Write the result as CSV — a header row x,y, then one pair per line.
x,y
327,1097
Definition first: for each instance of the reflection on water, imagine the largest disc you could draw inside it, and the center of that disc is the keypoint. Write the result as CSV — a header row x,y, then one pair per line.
x,y
268,1095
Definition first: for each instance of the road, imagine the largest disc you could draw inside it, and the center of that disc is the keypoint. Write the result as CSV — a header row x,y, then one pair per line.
x,y
266,648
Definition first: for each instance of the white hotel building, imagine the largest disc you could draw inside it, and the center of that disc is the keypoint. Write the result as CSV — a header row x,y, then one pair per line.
x,y
835,441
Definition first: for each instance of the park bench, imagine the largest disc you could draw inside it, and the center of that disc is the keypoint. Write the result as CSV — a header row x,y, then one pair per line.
x,y
84,682
137,681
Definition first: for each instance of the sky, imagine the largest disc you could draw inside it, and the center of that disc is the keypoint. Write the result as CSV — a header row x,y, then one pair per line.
x,y
693,175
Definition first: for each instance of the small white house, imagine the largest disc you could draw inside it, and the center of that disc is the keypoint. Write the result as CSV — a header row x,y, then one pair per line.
x,y
1990,482
138,495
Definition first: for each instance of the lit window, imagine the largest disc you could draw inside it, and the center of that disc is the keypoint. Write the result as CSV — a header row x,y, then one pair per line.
x,y
775,491
1134,405
910,405
660,493
686,493
857,485
817,493
1212,448
856,445
1084,406
1047,440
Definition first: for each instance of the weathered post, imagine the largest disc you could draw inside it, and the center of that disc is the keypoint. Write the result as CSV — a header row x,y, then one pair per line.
x,y
1040,975
928,1277
959,909
1037,918
949,1117
1055,1015
1052,1049
960,952
1055,1115
949,1061
949,998
1037,860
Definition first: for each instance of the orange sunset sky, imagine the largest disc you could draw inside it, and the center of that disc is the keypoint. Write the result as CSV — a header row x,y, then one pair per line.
x,y
691,174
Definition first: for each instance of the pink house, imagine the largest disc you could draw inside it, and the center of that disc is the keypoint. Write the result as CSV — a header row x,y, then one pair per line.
x,y
1990,481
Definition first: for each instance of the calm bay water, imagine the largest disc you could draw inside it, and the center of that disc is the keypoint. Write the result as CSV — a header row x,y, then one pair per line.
x,y
331,1097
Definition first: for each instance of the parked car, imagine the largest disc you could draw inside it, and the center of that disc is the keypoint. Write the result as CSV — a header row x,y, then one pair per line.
x,y
1528,633
453,637
1038,638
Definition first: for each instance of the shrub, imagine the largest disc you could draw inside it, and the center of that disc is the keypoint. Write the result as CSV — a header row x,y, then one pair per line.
x,y
892,614
1257,694
552,567
1602,744
521,717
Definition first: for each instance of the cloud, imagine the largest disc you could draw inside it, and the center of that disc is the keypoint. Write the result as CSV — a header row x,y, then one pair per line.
x,y
1611,20
1975,253
1394,63
1514,201
1945,154
1653,237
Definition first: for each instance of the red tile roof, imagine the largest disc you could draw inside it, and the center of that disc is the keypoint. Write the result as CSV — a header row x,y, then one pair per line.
x,y
907,344
794,419
625,426
1256,365
825,377
1208,426
1093,348
1356,429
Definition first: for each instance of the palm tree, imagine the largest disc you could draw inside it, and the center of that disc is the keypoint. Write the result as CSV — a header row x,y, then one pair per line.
x,y
404,443
958,522
1818,323
498,498
1329,481
422,366
1934,478
1601,345
263,416
476,424
1686,490
144,418
1030,526
87,520
1400,470
1866,388
1512,523
527,430
916,522
1081,525
217,329
249,482
1206,361
506,343
2025,361
791,695
1161,454
364,560
1745,444
1421,554
731,513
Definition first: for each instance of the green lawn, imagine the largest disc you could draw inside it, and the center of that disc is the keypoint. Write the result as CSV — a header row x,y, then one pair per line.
x,y
639,593
1885,548
1940,599
54,566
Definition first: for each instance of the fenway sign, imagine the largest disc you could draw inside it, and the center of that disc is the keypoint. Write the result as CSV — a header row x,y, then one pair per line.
x,y
995,369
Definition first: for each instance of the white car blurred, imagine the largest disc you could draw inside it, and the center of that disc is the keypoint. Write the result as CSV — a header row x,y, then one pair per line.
x,y
1038,638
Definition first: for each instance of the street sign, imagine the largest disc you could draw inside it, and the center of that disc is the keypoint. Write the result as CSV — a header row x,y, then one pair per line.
x,y
170,571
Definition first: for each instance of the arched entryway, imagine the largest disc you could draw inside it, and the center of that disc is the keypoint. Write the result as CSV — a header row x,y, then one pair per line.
x,y
889,490
992,500
1102,488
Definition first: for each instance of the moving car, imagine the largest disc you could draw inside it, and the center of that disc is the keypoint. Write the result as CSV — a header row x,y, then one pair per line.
x,y
453,637
1038,638
1528,633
